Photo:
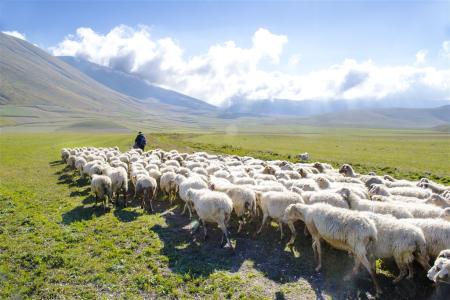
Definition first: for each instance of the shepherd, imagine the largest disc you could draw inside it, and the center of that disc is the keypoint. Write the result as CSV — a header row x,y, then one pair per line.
x,y
140,141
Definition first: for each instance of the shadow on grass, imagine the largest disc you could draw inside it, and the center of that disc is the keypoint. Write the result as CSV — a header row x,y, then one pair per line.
x,y
56,163
84,192
125,215
82,212
189,254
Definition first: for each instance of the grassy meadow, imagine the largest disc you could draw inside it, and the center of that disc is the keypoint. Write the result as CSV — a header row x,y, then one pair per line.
x,y
55,244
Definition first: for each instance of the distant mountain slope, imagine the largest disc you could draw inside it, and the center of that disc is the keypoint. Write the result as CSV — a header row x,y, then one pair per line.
x,y
132,85
310,107
31,77
385,118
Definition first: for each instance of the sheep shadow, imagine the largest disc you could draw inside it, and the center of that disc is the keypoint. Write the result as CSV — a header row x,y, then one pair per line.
x,y
56,163
84,192
83,213
125,215
267,253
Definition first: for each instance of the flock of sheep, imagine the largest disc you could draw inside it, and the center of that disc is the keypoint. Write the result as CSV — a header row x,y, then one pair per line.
x,y
369,216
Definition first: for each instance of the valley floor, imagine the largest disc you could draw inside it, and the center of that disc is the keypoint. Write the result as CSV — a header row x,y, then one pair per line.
x,y
54,243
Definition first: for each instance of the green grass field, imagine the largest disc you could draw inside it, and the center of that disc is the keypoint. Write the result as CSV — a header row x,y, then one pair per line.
x,y
54,243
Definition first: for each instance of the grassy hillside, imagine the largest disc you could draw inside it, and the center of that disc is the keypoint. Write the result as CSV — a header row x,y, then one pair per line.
x,y
31,77
55,244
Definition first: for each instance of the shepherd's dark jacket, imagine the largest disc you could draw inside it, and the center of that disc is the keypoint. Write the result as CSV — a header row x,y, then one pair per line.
x,y
140,141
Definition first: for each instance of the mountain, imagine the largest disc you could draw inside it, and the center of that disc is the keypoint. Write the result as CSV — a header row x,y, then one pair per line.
x,y
280,107
40,91
30,77
438,118
134,86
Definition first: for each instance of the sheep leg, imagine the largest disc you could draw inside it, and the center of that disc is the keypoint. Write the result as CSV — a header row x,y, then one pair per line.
x,y
240,225
96,199
293,233
281,229
225,232
189,209
402,274
184,209
319,253
354,270
150,200
262,224
205,233
371,271
124,198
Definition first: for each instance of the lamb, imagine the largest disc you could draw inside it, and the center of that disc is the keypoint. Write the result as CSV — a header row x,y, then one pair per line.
x,y
211,207
101,186
402,241
273,204
385,208
436,232
342,228
119,180
146,187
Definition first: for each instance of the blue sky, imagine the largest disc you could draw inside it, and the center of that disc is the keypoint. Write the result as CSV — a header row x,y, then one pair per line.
x,y
320,34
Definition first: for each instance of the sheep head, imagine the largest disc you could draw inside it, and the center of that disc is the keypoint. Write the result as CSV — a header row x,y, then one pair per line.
x,y
293,213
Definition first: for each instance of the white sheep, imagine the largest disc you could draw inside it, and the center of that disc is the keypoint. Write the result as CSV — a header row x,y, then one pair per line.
x,y
119,180
400,240
101,186
436,232
211,207
331,198
341,228
440,272
79,164
400,191
385,208
273,204
146,187
303,156
244,200
184,184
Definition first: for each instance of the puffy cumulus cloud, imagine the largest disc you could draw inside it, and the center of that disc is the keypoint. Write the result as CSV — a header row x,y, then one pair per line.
x,y
16,34
226,72
421,56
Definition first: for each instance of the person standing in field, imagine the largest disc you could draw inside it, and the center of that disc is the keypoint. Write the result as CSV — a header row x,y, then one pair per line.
x,y
140,141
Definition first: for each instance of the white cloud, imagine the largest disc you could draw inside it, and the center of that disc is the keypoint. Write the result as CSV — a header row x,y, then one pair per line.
x,y
227,71
445,51
421,56
15,34
295,59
